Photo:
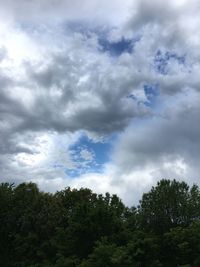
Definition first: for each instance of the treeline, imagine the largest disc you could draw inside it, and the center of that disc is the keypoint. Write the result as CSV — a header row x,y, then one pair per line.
x,y
78,228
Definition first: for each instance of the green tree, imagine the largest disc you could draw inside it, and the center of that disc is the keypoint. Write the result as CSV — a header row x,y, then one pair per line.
x,y
107,254
90,217
183,246
6,223
78,228
167,205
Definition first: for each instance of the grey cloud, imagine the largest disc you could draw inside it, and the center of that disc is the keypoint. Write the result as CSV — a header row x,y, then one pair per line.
x,y
161,139
153,12
61,101
59,92
3,53
171,24
37,11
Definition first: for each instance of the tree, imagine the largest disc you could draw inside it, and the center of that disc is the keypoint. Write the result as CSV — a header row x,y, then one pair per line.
x,y
90,217
183,246
6,223
167,205
78,228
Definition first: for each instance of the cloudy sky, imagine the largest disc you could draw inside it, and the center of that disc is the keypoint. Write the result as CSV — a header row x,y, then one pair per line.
x,y
100,94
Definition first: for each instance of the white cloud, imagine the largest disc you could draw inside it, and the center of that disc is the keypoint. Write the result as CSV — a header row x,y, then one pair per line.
x,y
86,154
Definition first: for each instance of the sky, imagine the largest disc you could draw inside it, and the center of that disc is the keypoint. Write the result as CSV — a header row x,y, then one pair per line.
x,y
100,94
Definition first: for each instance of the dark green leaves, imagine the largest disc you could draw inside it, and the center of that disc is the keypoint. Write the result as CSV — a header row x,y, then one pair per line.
x,y
78,228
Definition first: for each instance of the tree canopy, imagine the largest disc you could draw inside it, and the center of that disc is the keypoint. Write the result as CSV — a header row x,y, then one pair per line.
x,y
82,229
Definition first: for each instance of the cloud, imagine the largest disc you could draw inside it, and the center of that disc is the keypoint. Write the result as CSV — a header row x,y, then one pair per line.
x,y
69,91
86,155
171,24
103,69
40,156
164,146
108,12
167,145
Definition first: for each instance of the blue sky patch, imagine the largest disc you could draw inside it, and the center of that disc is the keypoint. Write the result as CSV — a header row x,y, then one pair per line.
x,y
151,91
113,48
162,59
116,48
89,156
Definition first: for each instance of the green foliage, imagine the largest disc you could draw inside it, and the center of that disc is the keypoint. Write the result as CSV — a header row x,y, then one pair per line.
x,y
78,228
169,204
183,244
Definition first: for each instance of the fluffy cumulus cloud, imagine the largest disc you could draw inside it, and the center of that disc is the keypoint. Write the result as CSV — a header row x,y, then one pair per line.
x,y
99,94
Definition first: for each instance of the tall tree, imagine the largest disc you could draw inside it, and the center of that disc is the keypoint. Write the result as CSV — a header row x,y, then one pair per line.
x,y
167,205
